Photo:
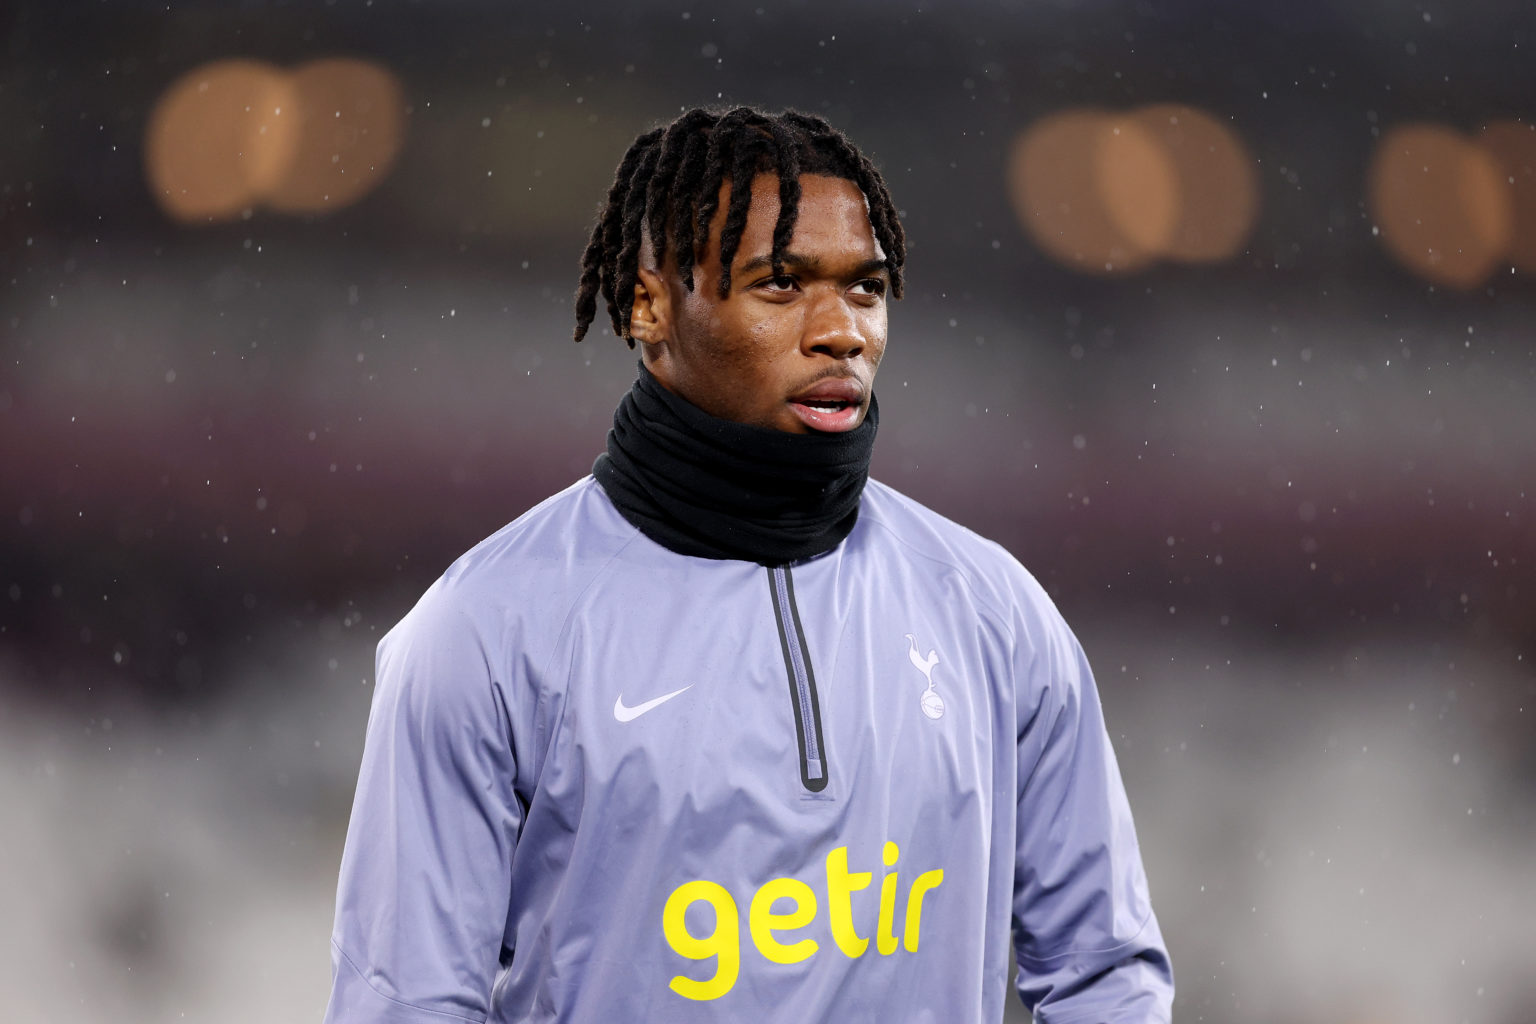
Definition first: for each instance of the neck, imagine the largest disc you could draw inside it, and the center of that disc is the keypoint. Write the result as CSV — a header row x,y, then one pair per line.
x,y
714,488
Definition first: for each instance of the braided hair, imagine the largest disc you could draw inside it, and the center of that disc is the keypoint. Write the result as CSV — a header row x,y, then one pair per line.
x,y
668,185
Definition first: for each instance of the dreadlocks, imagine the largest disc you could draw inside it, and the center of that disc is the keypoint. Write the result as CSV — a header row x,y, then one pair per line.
x,y
668,186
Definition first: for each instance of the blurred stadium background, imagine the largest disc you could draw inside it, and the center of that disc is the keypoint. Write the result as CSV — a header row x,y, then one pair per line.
x,y
1220,318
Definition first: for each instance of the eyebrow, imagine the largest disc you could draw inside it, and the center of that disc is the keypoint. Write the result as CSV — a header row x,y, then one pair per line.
x,y
809,263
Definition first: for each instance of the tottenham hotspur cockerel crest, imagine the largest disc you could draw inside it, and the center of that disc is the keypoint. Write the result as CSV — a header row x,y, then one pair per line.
x,y
931,703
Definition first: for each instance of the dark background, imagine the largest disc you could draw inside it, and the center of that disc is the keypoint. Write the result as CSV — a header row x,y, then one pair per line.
x,y
1283,499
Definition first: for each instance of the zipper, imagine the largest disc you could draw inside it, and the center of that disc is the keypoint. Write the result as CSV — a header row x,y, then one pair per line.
x,y
802,680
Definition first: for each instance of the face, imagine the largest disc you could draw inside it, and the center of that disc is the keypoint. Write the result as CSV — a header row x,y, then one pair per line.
x,y
795,352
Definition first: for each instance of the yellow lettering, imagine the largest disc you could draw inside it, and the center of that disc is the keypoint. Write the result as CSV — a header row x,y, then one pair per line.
x,y
841,884
925,881
724,942
885,938
764,922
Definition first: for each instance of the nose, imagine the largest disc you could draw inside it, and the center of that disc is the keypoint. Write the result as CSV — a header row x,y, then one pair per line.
x,y
833,329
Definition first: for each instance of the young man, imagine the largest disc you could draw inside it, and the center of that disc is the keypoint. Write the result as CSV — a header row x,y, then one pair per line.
x,y
727,732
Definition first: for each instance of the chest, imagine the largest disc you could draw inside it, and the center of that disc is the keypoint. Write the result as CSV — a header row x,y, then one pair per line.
x,y
759,691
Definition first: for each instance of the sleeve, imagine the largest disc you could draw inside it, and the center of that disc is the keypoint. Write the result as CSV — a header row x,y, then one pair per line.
x,y
422,904
1088,945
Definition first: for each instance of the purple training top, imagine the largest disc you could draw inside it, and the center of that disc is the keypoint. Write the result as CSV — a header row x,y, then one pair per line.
x,y
606,782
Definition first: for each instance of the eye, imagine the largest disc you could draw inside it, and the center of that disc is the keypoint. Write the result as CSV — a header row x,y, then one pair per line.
x,y
871,286
781,287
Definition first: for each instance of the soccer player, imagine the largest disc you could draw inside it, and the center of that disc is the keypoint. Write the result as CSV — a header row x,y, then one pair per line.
x,y
727,731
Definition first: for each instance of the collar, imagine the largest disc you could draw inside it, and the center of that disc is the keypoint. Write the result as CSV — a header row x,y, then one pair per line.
x,y
714,488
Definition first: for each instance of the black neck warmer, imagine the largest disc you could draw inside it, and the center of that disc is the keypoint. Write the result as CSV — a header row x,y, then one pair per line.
x,y
705,486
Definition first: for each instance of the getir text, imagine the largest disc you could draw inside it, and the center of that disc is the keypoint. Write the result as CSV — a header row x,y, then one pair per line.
x,y
767,925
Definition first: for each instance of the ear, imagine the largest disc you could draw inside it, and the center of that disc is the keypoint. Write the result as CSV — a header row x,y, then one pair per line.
x,y
650,319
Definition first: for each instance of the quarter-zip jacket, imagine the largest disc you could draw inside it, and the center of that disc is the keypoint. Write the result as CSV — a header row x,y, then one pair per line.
x,y
607,782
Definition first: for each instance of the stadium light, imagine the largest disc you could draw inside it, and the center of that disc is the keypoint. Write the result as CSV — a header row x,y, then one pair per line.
x,y
350,127
1112,193
1442,205
218,136
1513,145
237,133
1216,176
1053,180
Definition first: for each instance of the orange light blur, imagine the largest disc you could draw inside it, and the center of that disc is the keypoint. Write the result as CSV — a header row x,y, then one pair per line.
x,y
1056,193
1441,203
217,135
1112,193
1513,145
235,133
350,125
1138,184
1215,174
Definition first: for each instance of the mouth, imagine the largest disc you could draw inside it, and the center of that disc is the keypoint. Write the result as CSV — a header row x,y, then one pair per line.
x,y
833,405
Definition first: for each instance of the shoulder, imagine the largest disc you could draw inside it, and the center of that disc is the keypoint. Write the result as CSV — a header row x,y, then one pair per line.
x,y
513,589
993,575
561,535
1044,659
1021,613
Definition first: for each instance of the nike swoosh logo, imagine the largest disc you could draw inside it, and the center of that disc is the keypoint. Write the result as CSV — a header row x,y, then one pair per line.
x,y
625,713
